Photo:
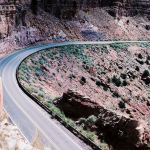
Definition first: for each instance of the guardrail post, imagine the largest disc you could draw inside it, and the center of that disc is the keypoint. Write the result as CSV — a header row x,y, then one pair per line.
x,y
1,97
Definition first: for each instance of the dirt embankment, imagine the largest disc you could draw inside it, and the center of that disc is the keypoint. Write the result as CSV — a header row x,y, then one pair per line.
x,y
119,131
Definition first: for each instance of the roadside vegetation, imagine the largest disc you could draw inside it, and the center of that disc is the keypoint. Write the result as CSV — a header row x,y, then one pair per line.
x,y
101,68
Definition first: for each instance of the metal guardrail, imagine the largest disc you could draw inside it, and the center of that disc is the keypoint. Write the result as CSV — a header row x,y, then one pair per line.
x,y
68,126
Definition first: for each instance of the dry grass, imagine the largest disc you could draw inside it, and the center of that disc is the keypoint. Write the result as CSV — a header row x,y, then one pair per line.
x,y
37,141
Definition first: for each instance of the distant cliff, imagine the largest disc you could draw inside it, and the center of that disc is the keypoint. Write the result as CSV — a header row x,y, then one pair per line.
x,y
13,12
67,8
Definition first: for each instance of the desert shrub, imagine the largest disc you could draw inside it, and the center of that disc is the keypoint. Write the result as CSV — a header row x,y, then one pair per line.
x,y
54,53
104,48
69,121
41,94
148,57
116,81
124,83
37,73
42,53
91,119
83,79
44,58
137,68
22,77
105,87
90,135
37,67
120,45
98,83
103,145
59,84
147,62
22,66
109,80
122,104
141,62
145,73
41,62
28,89
140,56
123,76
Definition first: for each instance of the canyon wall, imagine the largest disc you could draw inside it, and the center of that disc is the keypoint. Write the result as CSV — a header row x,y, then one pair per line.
x,y
67,9
12,16
118,130
13,13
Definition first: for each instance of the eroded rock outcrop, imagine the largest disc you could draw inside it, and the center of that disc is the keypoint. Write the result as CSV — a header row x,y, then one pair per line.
x,y
131,133
67,9
82,106
12,16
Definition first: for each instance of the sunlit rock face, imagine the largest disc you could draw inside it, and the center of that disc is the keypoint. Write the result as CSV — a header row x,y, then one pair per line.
x,y
12,16
67,9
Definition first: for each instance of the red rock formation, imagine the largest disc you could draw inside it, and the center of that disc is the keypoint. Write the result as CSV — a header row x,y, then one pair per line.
x,y
67,8
12,15
80,105
129,133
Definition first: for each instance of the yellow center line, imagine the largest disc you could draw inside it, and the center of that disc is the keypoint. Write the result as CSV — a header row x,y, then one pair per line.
x,y
22,108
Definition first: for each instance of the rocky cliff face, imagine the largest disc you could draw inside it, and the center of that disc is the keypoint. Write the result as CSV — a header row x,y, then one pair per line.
x,y
13,13
121,131
12,16
67,9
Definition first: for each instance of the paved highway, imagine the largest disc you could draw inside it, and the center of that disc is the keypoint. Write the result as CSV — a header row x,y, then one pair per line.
x,y
24,113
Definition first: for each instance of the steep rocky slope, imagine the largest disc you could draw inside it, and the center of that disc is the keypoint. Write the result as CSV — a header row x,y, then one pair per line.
x,y
68,9
114,80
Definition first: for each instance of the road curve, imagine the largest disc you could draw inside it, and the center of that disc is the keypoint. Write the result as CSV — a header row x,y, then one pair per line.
x,y
24,113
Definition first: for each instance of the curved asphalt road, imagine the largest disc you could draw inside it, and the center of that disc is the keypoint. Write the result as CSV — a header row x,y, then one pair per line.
x,y
23,111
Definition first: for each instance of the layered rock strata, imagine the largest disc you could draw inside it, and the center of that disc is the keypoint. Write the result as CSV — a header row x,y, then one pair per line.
x,y
125,131
12,16
67,9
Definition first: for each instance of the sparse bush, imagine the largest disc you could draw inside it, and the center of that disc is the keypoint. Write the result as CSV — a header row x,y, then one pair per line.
x,y
122,104
105,87
141,62
83,79
37,73
124,83
41,94
140,56
22,77
148,57
98,83
59,84
41,62
90,135
54,53
116,81
123,76
137,68
145,74
91,119
108,80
